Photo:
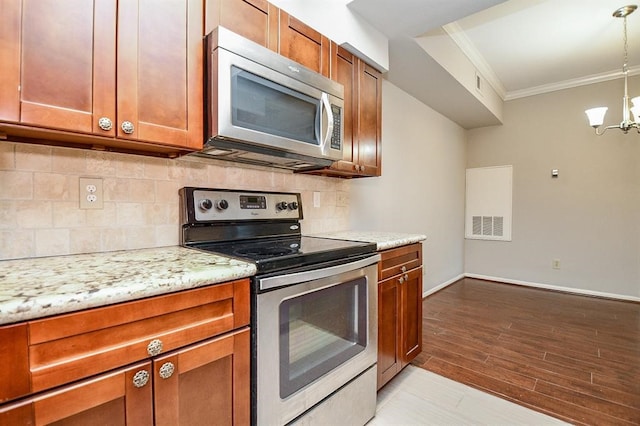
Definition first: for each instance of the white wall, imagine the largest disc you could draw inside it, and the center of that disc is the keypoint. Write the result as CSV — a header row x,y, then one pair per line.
x,y
421,189
589,217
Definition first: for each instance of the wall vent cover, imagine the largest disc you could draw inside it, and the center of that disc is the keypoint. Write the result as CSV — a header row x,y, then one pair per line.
x,y
488,203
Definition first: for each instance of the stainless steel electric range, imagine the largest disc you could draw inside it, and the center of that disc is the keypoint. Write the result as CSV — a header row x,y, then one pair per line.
x,y
314,305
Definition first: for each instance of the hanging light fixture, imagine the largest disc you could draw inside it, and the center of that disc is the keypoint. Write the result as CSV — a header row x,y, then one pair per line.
x,y
630,116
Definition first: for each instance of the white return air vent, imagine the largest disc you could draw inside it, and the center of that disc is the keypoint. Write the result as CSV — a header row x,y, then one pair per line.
x,y
488,203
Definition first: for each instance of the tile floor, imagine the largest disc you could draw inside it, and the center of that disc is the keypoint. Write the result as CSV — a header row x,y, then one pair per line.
x,y
419,397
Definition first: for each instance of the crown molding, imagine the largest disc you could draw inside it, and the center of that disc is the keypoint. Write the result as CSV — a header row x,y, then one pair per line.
x,y
568,84
459,37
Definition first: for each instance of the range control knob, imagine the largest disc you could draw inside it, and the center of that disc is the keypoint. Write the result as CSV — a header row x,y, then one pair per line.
x,y
293,205
282,205
205,204
222,204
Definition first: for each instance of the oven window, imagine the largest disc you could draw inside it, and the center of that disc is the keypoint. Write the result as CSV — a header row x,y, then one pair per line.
x,y
265,106
319,331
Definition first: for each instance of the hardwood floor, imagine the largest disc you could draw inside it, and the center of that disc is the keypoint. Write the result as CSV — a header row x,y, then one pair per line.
x,y
576,358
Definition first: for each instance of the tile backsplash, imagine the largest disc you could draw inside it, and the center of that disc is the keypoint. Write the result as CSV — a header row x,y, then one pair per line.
x,y
40,211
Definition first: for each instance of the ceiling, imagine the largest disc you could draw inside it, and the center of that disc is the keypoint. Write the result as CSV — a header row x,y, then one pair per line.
x,y
521,47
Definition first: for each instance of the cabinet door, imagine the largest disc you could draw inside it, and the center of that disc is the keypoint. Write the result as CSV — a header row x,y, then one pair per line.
x,y
256,20
68,64
389,299
11,11
411,312
109,399
159,74
14,355
206,383
301,43
369,124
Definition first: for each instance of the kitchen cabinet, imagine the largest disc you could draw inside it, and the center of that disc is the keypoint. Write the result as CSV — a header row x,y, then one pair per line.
x,y
256,20
399,309
193,346
362,122
114,74
302,44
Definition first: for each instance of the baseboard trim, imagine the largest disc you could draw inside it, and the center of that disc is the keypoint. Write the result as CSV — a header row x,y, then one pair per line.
x,y
581,292
441,286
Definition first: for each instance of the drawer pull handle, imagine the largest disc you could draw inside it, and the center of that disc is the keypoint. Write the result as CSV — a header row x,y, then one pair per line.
x,y
105,124
141,378
401,280
404,269
127,127
166,370
154,347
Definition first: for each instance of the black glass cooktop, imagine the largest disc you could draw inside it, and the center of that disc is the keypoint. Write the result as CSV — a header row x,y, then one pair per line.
x,y
272,254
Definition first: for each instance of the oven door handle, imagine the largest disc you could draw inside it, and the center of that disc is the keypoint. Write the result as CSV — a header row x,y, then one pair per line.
x,y
316,274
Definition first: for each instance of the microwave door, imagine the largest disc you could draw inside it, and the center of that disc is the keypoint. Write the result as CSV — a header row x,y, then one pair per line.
x,y
265,106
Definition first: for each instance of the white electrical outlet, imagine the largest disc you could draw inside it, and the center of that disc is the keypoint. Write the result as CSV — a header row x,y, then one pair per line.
x,y
91,193
316,199
555,264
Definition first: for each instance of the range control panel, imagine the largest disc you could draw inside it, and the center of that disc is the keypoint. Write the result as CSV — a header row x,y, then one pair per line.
x,y
225,205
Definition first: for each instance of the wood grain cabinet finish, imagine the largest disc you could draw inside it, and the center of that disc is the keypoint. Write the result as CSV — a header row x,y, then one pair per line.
x,y
256,20
118,73
362,143
399,309
304,45
86,347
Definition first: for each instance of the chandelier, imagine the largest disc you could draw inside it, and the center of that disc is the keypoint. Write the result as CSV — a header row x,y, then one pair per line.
x,y
596,115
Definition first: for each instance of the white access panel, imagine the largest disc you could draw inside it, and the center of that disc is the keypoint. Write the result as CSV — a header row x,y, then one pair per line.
x,y
488,204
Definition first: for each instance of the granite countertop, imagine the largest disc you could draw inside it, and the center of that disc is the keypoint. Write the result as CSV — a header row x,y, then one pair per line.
x,y
384,240
38,287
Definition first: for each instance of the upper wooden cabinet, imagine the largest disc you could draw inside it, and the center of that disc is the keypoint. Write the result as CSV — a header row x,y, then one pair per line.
x,y
362,123
301,43
129,71
256,20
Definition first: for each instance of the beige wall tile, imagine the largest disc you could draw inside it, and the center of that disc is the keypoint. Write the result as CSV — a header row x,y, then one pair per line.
x,y
50,242
130,214
66,160
33,157
7,156
53,186
8,214
85,240
17,244
68,215
141,208
34,214
101,163
16,185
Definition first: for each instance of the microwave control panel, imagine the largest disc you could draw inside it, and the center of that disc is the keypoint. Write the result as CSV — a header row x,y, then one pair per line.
x,y
337,127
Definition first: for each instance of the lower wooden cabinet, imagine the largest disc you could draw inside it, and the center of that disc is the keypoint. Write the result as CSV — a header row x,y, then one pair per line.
x,y
399,310
176,359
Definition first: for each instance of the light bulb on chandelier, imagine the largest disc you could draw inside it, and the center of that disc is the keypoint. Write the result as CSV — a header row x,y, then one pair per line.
x,y
630,115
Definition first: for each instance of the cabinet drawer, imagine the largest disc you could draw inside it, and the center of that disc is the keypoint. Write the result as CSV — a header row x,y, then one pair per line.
x,y
69,347
399,260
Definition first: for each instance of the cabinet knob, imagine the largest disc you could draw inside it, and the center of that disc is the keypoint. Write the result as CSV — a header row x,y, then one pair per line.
x,y
406,277
105,124
141,378
127,127
166,370
154,347
404,269
401,280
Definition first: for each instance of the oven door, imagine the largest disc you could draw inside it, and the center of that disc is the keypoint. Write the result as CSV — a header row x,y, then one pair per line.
x,y
314,334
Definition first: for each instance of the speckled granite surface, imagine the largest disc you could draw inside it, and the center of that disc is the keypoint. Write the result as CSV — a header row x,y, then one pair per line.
x,y
39,287
385,240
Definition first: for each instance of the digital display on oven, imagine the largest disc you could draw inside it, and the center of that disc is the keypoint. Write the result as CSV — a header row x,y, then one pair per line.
x,y
253,202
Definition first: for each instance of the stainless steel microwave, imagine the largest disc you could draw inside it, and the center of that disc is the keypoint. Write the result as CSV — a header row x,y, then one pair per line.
x,y
265,109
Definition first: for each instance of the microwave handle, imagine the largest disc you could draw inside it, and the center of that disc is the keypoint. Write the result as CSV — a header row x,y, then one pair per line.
x,y
327,108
